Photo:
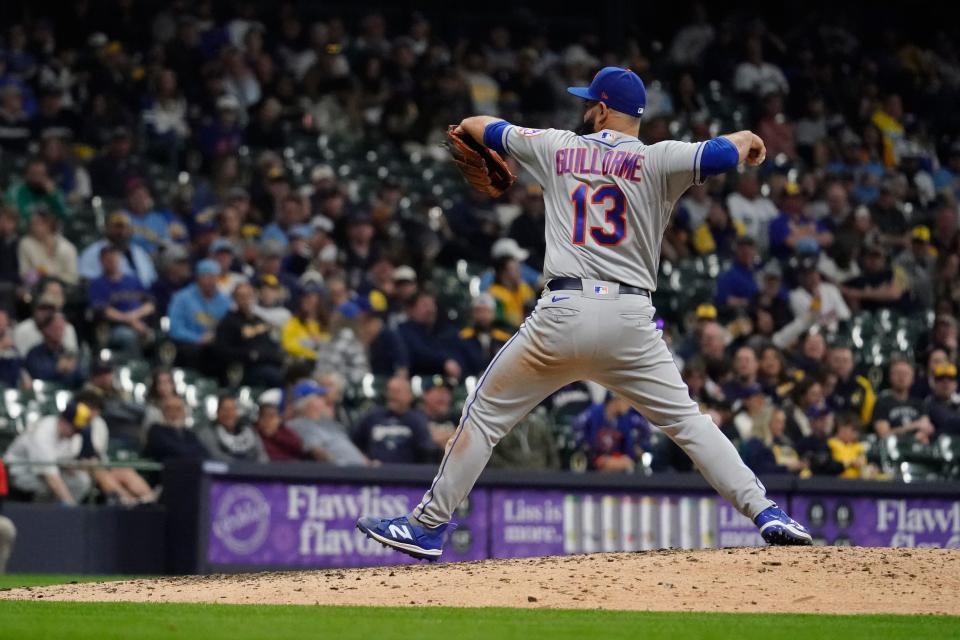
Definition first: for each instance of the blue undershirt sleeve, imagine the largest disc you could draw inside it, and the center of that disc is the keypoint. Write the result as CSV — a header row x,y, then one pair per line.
x,y
718,156
493,136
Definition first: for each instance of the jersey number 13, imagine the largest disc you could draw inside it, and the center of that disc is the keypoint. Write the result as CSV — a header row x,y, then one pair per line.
x,y
608,195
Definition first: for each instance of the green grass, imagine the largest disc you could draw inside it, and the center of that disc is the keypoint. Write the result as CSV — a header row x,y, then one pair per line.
x,y
102,621
13,580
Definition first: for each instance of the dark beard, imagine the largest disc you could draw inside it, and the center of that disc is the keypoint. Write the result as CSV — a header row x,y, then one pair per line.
x,y
587,127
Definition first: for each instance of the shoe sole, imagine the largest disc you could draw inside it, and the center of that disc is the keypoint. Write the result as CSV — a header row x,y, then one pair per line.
x,y
411,550
784,534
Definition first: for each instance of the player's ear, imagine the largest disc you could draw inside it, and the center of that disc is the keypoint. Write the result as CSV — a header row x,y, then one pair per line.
x,y
602,115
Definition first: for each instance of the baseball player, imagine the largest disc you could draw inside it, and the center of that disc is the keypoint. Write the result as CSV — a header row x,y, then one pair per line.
x,y
608,198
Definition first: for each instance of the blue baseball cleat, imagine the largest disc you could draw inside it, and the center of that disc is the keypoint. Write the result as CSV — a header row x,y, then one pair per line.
x,y
404,536
778,528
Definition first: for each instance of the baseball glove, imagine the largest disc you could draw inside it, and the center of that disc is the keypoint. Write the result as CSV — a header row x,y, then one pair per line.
x,y
482,168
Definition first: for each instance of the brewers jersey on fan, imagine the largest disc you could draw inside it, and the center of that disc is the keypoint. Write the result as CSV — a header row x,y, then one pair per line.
x,y
608,198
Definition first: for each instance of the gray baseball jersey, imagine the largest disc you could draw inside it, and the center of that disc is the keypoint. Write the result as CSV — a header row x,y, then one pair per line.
x,y
608,198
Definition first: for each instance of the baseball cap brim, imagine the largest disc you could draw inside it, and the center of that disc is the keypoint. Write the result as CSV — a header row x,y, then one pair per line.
x,y
583,92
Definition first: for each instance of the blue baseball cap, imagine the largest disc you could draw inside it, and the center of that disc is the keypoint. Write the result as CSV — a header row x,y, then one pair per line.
x,y
208,267
308,388
620,89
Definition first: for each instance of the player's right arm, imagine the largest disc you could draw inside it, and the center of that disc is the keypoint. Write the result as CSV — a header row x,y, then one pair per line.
x,y
475,126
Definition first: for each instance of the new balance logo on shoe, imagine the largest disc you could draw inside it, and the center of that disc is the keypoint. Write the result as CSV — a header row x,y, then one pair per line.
x,y
400,531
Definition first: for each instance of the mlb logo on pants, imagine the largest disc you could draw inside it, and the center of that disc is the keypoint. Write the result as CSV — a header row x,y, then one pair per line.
x,y
601,290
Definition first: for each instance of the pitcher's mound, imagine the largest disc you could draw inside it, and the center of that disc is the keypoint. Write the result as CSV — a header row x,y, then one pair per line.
x,y
804,579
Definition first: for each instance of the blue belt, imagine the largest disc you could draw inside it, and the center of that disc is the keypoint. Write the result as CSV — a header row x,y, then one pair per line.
x,y
576,284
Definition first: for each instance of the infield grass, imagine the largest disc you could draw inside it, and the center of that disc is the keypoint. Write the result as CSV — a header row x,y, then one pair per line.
x,y
103,621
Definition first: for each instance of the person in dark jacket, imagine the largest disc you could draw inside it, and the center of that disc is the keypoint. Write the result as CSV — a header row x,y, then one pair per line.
x,y
773,453
396,432
815,448
50,360
387,351
242,337
477,344
281,443
172,440
229,439
422,335
943,405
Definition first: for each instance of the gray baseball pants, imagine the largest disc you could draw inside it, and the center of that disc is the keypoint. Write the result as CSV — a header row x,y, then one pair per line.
x,y
599,335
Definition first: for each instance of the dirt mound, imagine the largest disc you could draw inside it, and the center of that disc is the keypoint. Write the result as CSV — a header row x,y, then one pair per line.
x,y
815,580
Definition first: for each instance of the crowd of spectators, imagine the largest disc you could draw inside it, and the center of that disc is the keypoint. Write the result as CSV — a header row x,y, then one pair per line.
x,y
190,185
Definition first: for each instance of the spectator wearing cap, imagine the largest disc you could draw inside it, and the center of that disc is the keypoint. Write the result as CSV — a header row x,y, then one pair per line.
x,y
752,410
770,451
223,134
173,274
222,252
478,343
135,259
396,432
37,192
404,288
47,442
149,227
513,296
313,421
772,296
718,233
269,303
918,264
386,351
737,286
229,438
306,330
194,313
112,171
792,229
170,439
343,352
508,248
943,404
51,360
50,299
362,249
814,448
898,413
851,392
44,252
878,286
120,414
814,301
612,435
424,339
888,214
122,302
243,338
292,213
751,209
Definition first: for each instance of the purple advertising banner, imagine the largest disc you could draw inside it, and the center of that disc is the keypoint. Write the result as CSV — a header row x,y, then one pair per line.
x,y
880,522
277,524
540,523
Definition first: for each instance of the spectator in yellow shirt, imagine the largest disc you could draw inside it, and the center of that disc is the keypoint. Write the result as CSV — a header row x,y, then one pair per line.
x,y
514,296
847,449
303,334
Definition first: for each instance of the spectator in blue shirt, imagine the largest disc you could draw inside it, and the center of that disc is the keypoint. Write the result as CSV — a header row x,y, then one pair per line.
x,y
135,259
792,226
194,313
737,286
123,302
612,435
396,432
386,350
150,227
